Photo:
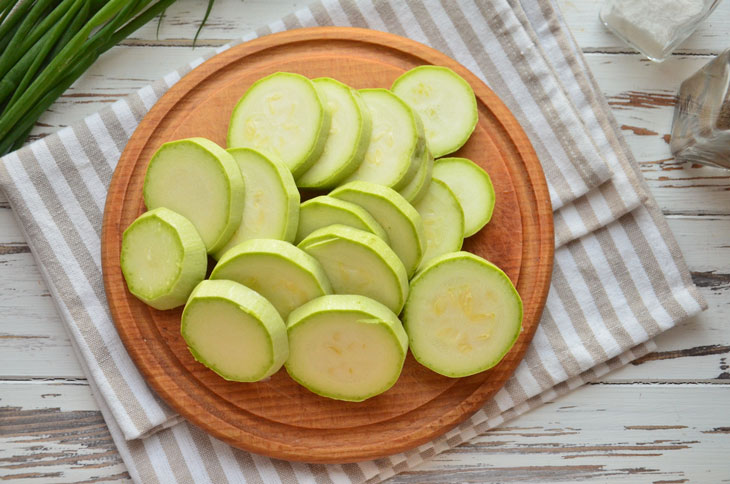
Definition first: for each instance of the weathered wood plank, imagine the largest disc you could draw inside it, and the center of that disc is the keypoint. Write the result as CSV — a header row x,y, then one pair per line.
x,y
609,433
109,79
10,233
642,97
52,432
232,19
603,432
227,20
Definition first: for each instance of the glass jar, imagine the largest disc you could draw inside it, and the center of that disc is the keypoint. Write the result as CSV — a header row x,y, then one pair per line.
x,y
655,27
701,126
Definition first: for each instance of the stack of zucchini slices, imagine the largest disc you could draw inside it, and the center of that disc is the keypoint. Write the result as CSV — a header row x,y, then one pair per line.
x,y
318,286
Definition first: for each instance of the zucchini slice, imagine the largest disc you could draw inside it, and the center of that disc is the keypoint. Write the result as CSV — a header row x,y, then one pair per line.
x,y
281,115
345,347
358,262
398,218
202,182
444,101
348,139
443,221
282,273
162,258
462,315
323,211
417,187
234,331
271,207
472,187
396,142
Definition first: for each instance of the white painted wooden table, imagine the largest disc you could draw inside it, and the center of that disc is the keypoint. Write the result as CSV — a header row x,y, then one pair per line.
x,y
664,419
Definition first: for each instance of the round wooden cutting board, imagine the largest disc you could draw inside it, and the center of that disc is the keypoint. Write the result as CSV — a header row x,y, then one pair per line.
x,y
277,417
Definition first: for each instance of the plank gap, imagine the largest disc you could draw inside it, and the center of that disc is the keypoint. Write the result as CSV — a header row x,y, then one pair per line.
x,y
14,380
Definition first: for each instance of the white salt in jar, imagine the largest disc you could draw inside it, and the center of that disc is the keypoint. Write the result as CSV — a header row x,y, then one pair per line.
x,y
655,27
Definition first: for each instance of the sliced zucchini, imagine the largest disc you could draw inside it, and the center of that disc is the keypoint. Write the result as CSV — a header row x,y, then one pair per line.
x,y
234,331
162,258
358,262
281,115
462,315
323,211
395,144
444,101
443,221
345,347
282,273
400,220
202,182
348,139
472,187
271,208
417,187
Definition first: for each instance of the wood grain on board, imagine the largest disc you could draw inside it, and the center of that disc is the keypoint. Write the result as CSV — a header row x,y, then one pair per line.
x,y
265,417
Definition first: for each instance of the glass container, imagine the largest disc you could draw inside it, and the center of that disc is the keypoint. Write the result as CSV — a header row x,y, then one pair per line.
x,y
701,126
655,27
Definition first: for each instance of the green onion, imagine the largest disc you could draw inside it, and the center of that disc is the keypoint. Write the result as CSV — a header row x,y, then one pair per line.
x,y
27,35
41,49
45,45
22,129
11,22
87,10
205,19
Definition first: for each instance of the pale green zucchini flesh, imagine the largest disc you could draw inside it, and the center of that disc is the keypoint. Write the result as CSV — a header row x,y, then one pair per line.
x,y
358,262
443,221
234,331
322,211
398,218
283,116
345,347
396,141
285,275
462,315
202,182
472,187
445,103
271,204
162,258
348,138
418,186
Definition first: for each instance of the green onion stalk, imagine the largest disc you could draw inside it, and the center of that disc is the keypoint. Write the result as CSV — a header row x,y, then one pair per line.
x,y
45,45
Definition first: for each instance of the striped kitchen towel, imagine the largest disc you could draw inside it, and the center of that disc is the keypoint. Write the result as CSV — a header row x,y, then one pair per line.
x,y
619,278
